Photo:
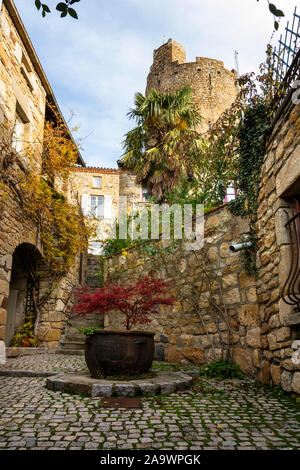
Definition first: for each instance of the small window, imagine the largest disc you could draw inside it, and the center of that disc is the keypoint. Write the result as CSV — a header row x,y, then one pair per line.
x,y
97,182
146,195
26,72
95,248
97,207
230,194
19,134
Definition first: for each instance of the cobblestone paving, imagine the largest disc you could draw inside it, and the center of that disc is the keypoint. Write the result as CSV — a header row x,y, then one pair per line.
x,y
46,363
215,415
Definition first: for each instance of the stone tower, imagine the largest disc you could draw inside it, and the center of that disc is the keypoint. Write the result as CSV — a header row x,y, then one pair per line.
x,y
214,88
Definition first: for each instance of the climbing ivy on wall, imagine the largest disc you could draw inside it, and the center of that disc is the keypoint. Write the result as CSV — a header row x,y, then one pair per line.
x,y
252,148
37,184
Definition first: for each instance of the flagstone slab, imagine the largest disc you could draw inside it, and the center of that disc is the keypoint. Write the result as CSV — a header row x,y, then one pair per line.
x,y
165,382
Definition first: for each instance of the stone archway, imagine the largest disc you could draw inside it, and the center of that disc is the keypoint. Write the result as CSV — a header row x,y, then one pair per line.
x,y
28,269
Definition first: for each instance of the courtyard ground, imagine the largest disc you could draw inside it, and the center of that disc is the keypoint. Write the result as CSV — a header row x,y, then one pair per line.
x,y
231,414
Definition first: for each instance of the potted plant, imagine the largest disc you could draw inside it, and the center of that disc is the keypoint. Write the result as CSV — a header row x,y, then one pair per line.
x,y
122,352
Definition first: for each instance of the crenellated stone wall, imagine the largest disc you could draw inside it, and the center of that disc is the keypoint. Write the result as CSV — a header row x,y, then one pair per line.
x,y
214,88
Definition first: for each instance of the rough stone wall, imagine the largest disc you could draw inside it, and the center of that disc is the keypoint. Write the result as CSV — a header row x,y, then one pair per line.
x,y
180,334
213,87
128,186
82,183
21,91
280,182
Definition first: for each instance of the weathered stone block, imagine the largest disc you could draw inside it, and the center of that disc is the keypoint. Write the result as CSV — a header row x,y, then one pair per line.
x,y
186,340
244,360
246,280
264,373
174,354
167,388
256,358
124,390
275,372
4,287
296,382
251,295
232,296
148,389
52,335
159,352
2,332
3,316
286,381
253,337
211,221
101,390
229,281
249,315
283,334
2,353
195,355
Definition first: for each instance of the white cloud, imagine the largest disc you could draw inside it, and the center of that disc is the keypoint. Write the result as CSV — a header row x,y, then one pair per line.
x,y
96,64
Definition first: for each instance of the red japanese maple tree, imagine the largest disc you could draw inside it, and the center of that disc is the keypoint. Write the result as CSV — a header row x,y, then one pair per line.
x,y
137,301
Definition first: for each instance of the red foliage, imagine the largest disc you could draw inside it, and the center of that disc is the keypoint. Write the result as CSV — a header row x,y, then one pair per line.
x,y
136,301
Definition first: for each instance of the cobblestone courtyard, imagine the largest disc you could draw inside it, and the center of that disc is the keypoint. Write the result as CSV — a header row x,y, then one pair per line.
x,y
213,415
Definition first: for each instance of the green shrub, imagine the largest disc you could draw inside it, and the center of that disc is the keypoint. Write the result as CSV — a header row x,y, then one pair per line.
x,y
90,330
221,369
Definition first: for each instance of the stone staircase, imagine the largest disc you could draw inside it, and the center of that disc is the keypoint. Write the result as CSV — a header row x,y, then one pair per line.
x,y
73,341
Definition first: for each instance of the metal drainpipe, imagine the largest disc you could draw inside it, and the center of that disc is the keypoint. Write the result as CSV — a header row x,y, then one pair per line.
x,y
240,246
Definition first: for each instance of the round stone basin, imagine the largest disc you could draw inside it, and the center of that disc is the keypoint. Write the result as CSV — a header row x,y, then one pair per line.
x,y
165,382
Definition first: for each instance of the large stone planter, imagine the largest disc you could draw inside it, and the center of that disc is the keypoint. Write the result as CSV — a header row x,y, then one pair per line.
x,y
111,353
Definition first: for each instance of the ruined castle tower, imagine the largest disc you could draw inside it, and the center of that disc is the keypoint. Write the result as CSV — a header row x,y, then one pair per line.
x,y
214,88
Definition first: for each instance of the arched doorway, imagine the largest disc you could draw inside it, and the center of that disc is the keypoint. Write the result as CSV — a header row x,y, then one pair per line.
x,y
28,269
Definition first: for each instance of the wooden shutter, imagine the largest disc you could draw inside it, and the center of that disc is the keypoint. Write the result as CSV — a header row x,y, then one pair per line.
x,y
85,204
107,207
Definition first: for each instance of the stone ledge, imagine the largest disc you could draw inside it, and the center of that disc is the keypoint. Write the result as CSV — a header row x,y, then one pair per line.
x,y
26,373
20,352
292,320
81,383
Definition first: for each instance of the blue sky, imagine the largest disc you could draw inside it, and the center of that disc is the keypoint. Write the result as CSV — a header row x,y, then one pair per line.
x,y
96,64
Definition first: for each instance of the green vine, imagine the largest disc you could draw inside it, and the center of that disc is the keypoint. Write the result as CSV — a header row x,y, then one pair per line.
x,y
252,149
252,137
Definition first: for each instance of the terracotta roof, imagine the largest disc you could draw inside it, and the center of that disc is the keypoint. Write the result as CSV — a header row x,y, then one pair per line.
x,y
95,169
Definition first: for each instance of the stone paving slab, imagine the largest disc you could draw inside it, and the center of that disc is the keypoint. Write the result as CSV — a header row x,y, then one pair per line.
x,y
43,365
213,415
164,382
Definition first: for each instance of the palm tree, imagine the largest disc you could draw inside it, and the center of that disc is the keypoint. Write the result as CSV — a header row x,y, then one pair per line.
x,y
160,149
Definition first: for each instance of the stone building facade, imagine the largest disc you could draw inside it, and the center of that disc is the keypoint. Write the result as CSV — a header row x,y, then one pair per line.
x,y
24,94
278,257
98,191
214,87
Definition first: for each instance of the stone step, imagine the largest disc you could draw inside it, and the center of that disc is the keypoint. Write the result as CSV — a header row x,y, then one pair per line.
x,y
73,331
80,338
88,321
73,340
76,345
70,352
